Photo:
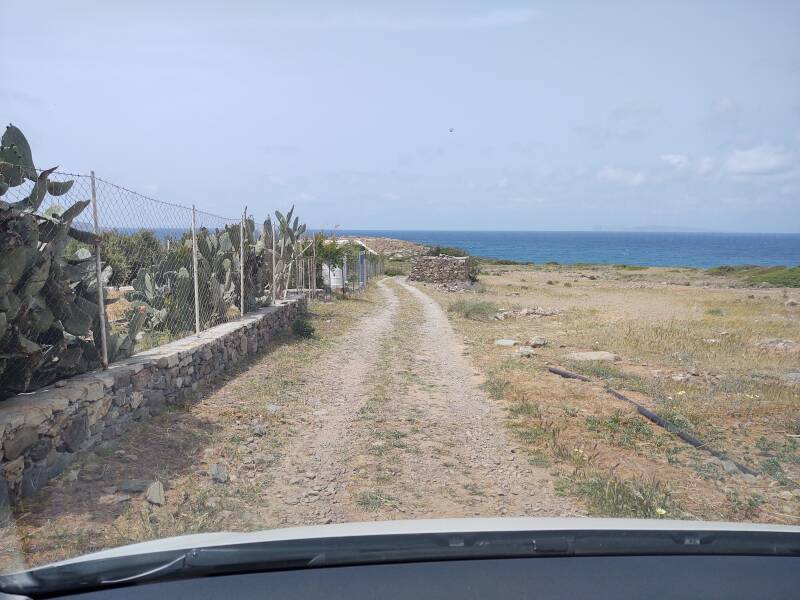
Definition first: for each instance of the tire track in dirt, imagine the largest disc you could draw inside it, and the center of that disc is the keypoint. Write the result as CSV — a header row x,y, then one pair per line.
x,y
307,486
395,426
463,462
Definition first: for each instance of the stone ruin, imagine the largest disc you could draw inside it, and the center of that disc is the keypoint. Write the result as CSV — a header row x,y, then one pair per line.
x,y
443,269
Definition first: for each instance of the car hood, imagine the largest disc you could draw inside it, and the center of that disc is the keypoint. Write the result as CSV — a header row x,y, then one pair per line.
x,y
421,526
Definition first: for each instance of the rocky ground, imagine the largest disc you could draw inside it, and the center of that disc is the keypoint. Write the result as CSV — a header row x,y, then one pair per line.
x,y
718,360
380,417
392,248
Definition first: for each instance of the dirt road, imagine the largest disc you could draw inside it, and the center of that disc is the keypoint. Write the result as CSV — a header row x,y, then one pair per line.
x,y
380,416
395,426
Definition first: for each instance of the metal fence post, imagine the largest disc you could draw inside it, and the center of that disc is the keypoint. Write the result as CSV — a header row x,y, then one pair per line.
x,y
241,263
195,277
274,274
101,304
344,275
314,269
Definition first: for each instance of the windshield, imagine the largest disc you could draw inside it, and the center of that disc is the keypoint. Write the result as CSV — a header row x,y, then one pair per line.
x,y
265,266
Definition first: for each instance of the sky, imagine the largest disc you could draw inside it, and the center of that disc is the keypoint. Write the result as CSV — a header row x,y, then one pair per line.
x,y
564,115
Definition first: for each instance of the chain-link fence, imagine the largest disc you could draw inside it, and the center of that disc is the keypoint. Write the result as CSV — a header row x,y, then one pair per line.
x,y
351,272
92,272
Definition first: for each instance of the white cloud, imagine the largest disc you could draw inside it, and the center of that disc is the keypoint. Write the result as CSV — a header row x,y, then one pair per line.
x,y
705,165
759,160
502,182
678,161
790,189
487,20
723,106
622,176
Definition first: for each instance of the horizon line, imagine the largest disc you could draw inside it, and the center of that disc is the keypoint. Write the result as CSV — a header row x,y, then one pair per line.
x,y
633,230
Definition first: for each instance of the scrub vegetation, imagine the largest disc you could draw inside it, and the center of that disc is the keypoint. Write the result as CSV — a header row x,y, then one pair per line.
x,y
703,350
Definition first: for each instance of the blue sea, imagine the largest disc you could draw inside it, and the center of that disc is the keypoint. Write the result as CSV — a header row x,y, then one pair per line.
x,y
701,250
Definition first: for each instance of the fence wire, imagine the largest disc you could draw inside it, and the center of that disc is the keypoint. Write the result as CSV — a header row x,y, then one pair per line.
x,y
92,272
157,281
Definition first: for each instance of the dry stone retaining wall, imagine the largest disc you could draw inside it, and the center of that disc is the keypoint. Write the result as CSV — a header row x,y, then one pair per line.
x,y
440,269
41,432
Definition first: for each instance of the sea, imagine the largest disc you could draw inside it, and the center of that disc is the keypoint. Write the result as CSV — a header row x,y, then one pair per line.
x,y
658,249
678,249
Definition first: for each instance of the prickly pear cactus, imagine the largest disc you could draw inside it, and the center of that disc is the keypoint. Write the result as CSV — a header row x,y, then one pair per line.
x,y
49,320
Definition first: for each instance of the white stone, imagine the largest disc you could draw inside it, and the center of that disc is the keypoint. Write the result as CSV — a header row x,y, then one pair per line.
x,y
537,341
598,355
507,343
155,494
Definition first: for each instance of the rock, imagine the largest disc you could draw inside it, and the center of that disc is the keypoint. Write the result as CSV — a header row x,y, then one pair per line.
x,y
526,351
507,343
440,269
730,467
537,341
133,486
598,355
792,378
74,433
790,302
680,377
778,345
110,499
538,311
273,408
218,473
155,494
259,430
15,445
264,459
40,449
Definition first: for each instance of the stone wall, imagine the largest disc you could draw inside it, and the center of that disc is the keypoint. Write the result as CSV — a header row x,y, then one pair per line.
x,y
42,431
441,269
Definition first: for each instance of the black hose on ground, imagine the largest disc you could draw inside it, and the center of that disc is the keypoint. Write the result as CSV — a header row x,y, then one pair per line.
x,y
567,374
651,416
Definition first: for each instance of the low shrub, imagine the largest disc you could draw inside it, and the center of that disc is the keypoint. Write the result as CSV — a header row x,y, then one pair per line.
x,y
447,251
775,276
393,271
473,309
302,328
609,496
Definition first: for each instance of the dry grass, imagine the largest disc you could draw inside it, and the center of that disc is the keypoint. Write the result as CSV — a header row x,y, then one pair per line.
x,y
688,348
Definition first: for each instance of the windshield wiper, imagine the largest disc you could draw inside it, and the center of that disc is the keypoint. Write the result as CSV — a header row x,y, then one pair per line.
x,y
382,549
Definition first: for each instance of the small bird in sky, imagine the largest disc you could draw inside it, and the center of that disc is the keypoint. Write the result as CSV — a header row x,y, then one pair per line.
x,y
452,129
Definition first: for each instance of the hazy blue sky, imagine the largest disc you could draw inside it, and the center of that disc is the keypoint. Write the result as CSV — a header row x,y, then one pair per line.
x,y
567,115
